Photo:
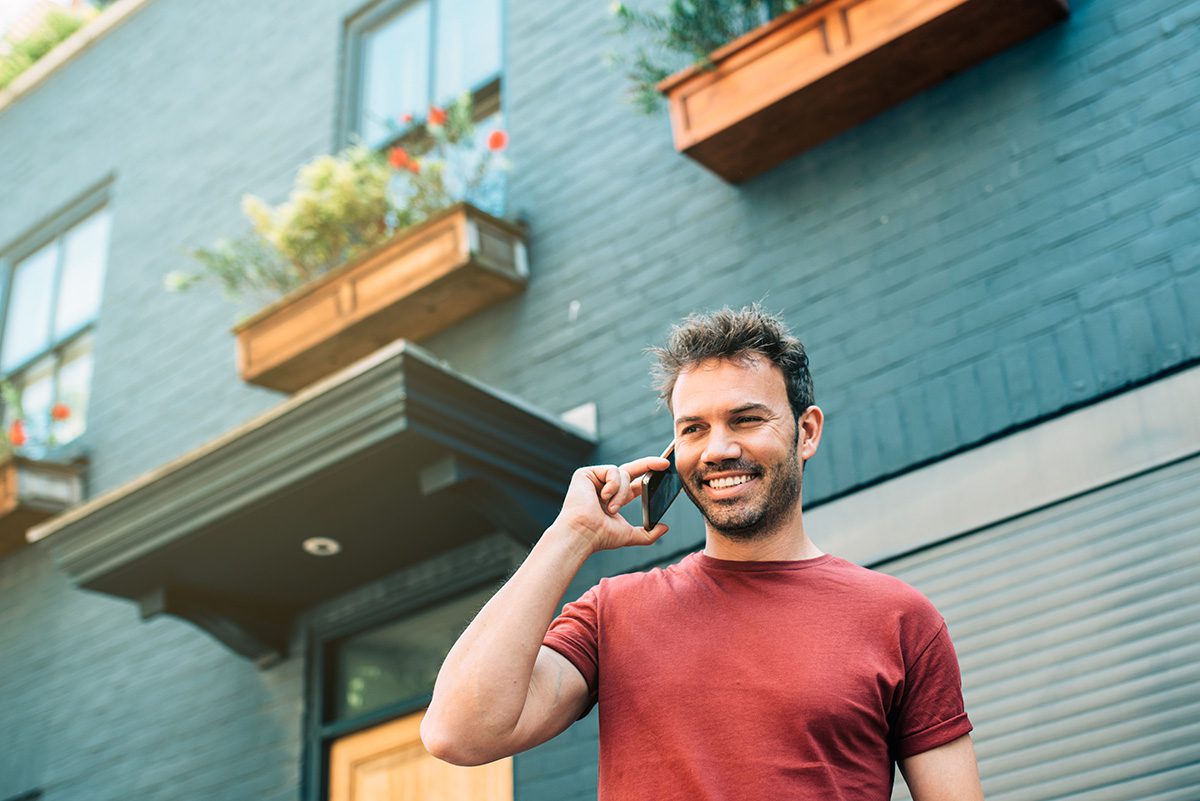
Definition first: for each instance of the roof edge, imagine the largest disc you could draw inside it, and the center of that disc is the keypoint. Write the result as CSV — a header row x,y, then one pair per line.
x,y
69,49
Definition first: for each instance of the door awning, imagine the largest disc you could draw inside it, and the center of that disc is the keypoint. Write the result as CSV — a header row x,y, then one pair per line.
x,y
398,458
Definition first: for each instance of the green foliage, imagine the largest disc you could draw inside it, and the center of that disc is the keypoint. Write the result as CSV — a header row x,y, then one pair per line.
x,y
686,32
57,27
10,406
339,207
345,204
244,266
22,434
451,166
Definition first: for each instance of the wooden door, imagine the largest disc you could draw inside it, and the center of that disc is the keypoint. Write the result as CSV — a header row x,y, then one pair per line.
x,y
389,763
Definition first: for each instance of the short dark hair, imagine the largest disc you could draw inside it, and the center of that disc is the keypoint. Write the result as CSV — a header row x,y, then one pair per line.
x,y
729,334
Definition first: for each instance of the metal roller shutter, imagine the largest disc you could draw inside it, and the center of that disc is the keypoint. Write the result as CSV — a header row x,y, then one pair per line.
x,y
1078,632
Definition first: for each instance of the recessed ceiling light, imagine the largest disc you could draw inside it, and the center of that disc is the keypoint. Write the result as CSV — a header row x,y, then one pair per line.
x,y
322,546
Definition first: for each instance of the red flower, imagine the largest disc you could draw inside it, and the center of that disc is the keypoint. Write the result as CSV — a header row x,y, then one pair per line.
x,y
398,158
414,167
497,140
60,411
406,119
16,433
437,116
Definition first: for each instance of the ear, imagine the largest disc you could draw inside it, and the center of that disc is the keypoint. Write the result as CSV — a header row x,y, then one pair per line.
x,y
809,426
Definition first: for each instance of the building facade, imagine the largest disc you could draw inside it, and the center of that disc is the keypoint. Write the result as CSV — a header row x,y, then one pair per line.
x,y
998,281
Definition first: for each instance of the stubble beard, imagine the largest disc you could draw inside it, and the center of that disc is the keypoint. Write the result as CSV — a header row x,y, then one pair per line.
x,y
745,520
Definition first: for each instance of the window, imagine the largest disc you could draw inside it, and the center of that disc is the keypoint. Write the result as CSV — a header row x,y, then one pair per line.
x,y
395,664
52,300
407,56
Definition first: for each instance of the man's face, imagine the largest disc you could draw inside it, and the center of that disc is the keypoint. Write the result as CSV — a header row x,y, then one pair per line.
x,y
736,445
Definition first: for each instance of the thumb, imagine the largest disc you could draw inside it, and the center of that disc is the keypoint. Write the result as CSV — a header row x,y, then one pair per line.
x,y
653,535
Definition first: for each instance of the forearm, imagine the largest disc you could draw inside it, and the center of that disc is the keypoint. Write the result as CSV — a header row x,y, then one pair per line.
x,y
946,773
483,684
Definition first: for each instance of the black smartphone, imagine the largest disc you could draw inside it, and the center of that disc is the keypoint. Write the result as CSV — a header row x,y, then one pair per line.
x,y
659,490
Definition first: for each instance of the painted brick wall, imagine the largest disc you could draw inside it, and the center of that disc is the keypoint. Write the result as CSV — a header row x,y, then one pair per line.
x,y
97,705
185,108
1016,241
1012,242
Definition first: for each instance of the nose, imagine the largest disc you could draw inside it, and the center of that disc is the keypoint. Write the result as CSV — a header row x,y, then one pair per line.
x,y
720,446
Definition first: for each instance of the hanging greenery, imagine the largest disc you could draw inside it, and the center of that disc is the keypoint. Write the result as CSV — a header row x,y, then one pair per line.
x,y
685,33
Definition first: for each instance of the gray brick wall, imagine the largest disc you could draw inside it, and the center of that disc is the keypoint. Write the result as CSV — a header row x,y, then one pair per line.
x,y
1017,241
97,705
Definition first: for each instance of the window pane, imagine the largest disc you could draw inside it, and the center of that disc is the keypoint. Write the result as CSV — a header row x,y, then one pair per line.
x,y
400,660
74,384
395,72
84,257
27,330
36,386
490,193
468,45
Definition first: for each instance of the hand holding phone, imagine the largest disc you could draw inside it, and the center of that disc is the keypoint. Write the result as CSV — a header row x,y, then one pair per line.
x,y
659,490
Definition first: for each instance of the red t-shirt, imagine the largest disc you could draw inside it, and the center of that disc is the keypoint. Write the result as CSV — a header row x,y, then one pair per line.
x,y
761,680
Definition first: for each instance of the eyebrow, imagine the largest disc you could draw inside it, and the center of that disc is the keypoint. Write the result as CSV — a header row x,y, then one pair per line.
x,y
749,407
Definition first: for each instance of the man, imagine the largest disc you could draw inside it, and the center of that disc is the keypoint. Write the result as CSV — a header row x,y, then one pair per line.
x,y
758,668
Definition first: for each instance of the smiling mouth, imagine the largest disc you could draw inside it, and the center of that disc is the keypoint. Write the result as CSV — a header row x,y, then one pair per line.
x,y
728,481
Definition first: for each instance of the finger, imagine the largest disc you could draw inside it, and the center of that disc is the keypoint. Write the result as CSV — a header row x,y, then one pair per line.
x,y
649,537
611,476
623,494
594,474
639,467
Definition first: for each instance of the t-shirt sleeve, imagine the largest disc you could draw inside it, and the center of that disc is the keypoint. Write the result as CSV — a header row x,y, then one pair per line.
x,y
931,711
575,635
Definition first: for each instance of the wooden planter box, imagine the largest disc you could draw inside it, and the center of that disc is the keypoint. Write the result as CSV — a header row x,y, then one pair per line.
x,y
32,491
828,66
423,280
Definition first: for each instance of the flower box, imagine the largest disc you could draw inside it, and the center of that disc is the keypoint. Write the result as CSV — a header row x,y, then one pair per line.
x,y
32,491
810,74
419,282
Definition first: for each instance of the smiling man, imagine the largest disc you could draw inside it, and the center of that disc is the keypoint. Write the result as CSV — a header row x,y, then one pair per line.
x,y
757,668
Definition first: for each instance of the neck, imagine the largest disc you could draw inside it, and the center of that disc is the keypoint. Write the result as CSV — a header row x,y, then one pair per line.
x,y
787,542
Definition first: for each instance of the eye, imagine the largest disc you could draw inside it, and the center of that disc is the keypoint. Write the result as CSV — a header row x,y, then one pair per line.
x,y
690,429
748,419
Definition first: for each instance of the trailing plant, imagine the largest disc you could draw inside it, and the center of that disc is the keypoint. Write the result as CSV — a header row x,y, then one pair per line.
x,y
686,32
345,204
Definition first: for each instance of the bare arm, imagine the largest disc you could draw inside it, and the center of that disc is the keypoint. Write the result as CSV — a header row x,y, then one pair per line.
x,y
499,690
946,773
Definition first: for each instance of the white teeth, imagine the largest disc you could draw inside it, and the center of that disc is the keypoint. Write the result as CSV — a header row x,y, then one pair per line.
x,y
731,481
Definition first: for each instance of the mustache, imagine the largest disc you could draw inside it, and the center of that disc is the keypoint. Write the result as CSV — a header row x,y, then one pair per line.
x,y
733,465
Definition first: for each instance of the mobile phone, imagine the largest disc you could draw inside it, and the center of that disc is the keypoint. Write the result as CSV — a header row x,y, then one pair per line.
x,y
659,490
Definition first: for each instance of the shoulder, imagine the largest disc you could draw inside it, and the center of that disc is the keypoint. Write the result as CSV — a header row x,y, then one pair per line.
x,y
636,581
641,583
888,602
882,587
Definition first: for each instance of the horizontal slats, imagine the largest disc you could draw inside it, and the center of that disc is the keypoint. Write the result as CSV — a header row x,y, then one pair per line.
x,y
1174,487
1078,632
1016,722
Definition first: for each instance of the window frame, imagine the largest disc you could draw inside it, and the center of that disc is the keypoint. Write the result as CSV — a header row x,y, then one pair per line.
x,y
54,230
488,95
